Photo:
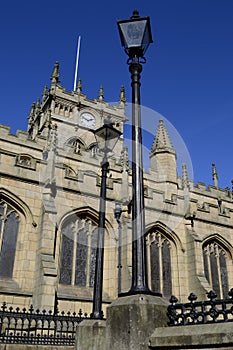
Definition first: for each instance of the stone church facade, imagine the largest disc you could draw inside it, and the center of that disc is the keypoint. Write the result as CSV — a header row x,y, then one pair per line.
x,y
49,202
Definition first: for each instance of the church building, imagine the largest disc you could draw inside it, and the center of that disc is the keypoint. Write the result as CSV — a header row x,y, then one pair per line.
x,y
50,178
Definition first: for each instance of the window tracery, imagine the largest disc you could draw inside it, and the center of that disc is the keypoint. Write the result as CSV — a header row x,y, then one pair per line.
x,y
26,161
78,252
76,145
215,268
159,262
94,150
9,227
70,173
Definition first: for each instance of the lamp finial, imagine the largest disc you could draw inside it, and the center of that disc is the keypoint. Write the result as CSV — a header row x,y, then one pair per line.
x,y
135,14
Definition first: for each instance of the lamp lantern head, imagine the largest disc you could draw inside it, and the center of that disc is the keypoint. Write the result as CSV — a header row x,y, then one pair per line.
x,y
135,34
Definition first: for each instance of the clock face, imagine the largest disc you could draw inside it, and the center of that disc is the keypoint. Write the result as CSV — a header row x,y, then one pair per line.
x,y
87,120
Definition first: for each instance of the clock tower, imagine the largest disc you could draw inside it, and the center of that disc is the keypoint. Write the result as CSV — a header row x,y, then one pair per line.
x,y
62,125
75,115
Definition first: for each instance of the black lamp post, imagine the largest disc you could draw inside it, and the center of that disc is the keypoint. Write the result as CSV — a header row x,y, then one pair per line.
x,y
135,35
106,137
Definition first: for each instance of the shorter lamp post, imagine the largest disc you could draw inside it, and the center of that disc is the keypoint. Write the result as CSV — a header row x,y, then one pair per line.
x,y
106,137
117,214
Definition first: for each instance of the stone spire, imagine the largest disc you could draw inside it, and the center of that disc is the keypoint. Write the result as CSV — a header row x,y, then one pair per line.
x,y
162,142
163,156
79,86
37,107
101,93
50,155
124,159
47,126
55,77
215,175
45,93
185,179
122,99
37,113
31,116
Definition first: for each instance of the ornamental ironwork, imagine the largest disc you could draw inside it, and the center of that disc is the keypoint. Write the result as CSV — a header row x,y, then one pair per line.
x,y
200,312
38,327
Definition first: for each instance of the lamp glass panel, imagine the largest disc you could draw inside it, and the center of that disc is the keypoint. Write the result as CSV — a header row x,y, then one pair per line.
x,y
107,138
146,39
133,33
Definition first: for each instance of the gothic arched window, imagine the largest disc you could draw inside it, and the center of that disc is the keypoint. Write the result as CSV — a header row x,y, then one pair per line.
x,y
215,267
94,150
76,145
9,227
159,263
78,252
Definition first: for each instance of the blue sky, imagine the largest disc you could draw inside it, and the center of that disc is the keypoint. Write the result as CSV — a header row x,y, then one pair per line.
x,y
188,77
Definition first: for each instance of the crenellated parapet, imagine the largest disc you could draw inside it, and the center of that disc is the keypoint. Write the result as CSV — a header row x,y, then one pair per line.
x,y
67,107
194,203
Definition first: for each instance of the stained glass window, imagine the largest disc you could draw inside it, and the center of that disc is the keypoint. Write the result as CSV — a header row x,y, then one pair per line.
x,y
78,252
159,263
215,267
9,227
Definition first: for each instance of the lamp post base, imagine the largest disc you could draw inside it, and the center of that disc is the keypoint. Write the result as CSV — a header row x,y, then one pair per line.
x,y
97,315
136,291
132,319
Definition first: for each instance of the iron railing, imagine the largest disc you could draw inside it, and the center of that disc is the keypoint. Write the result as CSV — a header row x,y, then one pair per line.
x,y
35,327
200,312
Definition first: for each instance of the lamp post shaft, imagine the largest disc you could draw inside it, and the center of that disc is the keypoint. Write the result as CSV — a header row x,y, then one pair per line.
x,y
98,285
119,255
139,275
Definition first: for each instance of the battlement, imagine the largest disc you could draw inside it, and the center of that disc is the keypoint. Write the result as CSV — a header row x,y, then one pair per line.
x,y
213,191
79,98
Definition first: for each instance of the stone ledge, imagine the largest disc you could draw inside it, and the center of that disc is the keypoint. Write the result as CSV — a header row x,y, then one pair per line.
x,y
9,286
187,337
48,265
83,294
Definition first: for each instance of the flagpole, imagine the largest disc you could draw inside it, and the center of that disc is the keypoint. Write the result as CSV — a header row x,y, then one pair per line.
x,y
77,62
